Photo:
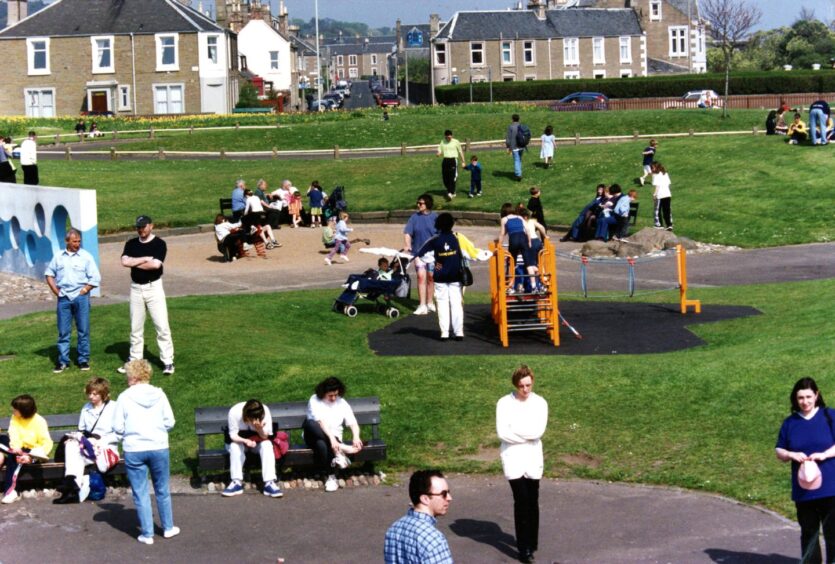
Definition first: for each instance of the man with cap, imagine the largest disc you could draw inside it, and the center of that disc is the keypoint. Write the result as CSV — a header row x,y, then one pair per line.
x,y
144,256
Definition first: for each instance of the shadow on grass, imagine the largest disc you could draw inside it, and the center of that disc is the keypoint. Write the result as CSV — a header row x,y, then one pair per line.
x,y
485,532
504,174
733,557
122,350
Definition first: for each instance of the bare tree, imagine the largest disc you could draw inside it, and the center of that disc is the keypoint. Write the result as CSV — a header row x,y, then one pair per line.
x,y
806,14
730,23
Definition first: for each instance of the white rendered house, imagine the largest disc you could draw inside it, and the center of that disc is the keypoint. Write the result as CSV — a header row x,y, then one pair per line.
x,y
267,54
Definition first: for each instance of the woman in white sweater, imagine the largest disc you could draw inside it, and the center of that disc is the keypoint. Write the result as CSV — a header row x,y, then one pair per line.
x,y
143,418
521,418
661,196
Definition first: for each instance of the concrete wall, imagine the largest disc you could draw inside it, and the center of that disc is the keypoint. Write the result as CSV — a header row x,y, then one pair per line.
x,y
33,224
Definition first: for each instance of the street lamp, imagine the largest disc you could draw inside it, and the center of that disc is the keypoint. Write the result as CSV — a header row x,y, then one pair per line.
x,y
318,63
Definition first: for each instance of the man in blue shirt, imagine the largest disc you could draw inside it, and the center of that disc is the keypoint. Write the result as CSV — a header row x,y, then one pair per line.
x,y
413,539
818,114
238,201
71,275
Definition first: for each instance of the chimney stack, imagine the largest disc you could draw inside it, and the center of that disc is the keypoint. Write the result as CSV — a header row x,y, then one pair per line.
x,y
283,27
18,10
434,24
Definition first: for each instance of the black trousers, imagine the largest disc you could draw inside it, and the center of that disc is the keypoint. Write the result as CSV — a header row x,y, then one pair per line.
x,y
663,212
449,171
526,513
30,174
316,439
7,173
811,516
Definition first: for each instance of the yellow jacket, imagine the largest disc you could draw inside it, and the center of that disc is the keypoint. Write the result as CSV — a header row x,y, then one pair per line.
x,y
29,433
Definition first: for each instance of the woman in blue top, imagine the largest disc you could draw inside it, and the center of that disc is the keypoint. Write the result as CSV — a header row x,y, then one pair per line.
x,y
518,239
807,434
447,276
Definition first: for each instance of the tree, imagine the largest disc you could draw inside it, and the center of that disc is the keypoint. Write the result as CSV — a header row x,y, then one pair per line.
x,y
730,23
247,96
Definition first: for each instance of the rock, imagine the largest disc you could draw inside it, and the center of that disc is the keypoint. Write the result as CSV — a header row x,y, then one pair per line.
x,y
341,483
355,480
211,487
307,484
363,480
375,480
597,249
625,250
688,244
29,494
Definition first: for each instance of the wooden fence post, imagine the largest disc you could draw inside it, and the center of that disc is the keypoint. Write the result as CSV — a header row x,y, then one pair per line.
x,y
57,139
691,132
67,153
151,132
112,153
336,151
635,134
237,125
161,154
576,138
275,152
115,133
402,148
191,130
223,154
466,145
754,130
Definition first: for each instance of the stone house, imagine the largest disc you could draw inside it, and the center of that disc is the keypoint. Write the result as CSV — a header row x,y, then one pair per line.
x,y
539,44
363,58
128,57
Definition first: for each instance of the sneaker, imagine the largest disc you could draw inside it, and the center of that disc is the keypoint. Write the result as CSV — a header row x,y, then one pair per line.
x,y
271,489
328,261
478,195
658,227
122,369
670,228
145,540
459,338
171,533
641,180
344,258
270,246
234,488
84,366
10,497
247,246
331,485
340,461
59,367
431,307
449,196
84,488
510,291
168,370
470,196
421,310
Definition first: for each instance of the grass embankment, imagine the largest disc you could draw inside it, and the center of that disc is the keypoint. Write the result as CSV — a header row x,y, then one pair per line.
x,y
746,191
704,418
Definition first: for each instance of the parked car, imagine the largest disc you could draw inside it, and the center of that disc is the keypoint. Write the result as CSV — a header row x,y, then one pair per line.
x,y
581,102
335,98
322,105
344,91
389,99
696,99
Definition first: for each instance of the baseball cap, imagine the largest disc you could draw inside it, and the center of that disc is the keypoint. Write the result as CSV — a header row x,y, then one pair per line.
x,y
143,220
809,475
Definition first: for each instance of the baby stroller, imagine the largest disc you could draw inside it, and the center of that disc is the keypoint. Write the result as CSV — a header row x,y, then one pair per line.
x,y
335,203
372,286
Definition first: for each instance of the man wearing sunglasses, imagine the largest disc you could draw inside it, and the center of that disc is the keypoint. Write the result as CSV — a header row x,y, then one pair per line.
x,y
413,539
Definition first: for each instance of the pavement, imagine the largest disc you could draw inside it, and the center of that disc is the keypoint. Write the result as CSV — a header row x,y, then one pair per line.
x,y
581,521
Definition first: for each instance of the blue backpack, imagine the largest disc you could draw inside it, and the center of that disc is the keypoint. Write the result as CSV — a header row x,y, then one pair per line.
x,y
98,489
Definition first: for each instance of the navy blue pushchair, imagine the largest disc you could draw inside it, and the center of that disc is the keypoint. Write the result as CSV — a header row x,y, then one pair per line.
x,y
381,291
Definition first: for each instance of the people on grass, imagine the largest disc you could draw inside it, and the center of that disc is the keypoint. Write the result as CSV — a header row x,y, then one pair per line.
x,y
613,221
447,258
453,153
143,419
535,206
807,440
818,115
583,227
29,159
327,415
797,131
28,441
548,144
419,229
315,200
661,196
648,156
414,538
521,419
95,442
71,275
513,148
475,177
250,429
7,168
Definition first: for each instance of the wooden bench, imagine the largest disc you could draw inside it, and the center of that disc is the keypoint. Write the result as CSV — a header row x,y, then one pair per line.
x,y
210,421
226,204
633,213
59,425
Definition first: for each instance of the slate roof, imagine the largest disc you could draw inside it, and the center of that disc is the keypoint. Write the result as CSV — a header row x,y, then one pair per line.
x,y
579,22
304,49
360,49
65,18
681,6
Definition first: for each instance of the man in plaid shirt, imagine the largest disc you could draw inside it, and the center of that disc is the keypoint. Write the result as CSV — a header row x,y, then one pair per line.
x,y
413,539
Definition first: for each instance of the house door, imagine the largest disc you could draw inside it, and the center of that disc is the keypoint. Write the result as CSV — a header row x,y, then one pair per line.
x,y
214,98
98,101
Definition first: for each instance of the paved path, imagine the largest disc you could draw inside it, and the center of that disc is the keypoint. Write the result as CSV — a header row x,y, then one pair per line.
x,y
581,522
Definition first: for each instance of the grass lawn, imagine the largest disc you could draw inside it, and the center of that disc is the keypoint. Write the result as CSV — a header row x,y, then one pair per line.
x,y
705,418
746,191
423,127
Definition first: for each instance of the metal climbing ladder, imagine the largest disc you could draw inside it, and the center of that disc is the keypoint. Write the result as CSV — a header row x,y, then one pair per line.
x,y
525,311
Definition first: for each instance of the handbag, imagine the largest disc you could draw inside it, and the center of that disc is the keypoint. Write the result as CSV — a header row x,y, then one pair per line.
x,y
61,449
465,275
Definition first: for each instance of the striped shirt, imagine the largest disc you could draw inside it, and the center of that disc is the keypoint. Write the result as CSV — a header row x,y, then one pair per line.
x,y
413,539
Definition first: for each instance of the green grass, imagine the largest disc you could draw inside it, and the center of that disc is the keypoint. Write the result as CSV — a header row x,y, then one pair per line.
x,y
704,418
746,191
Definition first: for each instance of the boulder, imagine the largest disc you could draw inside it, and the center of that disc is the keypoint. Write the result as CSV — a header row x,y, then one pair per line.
x,y
598,249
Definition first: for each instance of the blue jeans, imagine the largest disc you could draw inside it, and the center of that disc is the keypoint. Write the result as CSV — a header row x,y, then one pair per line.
x,y
517,162
137,465
79,310
817,119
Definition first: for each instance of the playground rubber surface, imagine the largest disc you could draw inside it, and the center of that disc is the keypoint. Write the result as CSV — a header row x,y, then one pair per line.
x,y
606,328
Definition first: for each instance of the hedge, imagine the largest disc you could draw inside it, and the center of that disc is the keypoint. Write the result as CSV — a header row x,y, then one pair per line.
x,y
766,82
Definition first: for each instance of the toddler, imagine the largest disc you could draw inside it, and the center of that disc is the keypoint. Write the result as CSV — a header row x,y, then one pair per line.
x,y
341,243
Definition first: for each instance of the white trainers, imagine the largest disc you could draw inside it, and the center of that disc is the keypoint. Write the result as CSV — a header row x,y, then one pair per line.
x,y
331,485
340,461
327,261
145,540
422,310
431,307
171,533
10,497
344,258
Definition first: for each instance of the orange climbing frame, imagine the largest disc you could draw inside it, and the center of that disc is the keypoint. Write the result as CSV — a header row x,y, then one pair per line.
x,y
681,262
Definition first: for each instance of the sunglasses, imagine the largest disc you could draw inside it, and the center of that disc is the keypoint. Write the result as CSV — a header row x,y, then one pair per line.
x,y
442,493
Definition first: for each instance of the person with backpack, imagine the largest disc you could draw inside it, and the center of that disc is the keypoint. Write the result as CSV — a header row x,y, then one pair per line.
x,y
516,140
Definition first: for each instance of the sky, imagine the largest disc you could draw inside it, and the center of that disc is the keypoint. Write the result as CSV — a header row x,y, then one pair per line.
x,y
379,13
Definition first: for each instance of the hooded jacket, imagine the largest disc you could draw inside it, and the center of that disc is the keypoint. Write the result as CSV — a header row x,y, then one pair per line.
x,y
143,418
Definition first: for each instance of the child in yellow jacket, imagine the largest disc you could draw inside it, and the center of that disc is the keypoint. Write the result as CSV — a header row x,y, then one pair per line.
x,y
28,432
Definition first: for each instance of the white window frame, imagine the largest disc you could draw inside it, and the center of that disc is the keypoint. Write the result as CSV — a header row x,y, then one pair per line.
x,y
94,47
677,37
123,99
353,72
529,77
480,51
162,67
507,53
274,59
626,73
571,75
352,60
508,78
598,50
26,93
169,88
373,58
440,54
529,52
340,60
571,51
212,48
625,48
655,10
373,71
599,73
30,56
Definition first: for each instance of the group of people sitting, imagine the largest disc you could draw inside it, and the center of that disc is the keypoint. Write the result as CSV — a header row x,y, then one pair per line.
x,y
605,217
821,128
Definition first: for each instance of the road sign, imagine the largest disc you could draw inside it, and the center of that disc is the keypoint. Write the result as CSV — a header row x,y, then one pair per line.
x,y
414,38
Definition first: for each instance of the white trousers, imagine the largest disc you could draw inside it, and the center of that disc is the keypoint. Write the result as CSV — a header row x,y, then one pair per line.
x,y
74,461
448,301
152,296
237,455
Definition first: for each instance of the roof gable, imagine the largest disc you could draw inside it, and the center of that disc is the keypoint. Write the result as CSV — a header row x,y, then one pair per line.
x,y
111,17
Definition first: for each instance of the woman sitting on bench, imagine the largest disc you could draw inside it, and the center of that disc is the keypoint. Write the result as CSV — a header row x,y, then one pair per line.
x,y
28,432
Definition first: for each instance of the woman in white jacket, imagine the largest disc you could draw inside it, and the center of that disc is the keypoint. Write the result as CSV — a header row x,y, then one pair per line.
x,y
143,418
521,418
661,196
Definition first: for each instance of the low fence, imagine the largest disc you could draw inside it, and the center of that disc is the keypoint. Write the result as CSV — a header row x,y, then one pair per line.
x,y
752,102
